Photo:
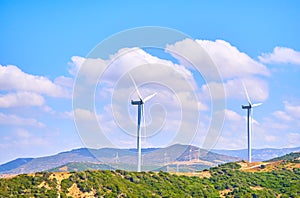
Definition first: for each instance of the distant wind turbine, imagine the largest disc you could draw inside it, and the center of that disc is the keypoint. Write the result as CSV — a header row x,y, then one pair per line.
x,y
140,103
249,121
117,160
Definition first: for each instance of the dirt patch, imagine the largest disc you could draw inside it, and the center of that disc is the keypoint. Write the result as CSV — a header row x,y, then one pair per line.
x,y
256,188
224,192
195,161
7,176
75,192
202,174
59,176
44,184
255,166
64,169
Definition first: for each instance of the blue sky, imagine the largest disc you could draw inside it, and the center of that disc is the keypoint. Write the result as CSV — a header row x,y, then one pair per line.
x,y
41,40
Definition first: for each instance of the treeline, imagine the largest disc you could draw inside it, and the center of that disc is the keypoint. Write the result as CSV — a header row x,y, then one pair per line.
x,y
224,178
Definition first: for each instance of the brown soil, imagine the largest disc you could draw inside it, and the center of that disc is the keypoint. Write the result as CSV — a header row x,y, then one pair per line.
x,y
201,174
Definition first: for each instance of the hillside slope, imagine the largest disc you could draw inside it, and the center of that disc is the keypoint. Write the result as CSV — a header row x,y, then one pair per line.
x,y
258,155
152,159
14,164
227,180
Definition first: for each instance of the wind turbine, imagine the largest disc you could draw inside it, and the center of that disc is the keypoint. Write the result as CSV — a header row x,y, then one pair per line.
x,y
140,103
117,160
249,120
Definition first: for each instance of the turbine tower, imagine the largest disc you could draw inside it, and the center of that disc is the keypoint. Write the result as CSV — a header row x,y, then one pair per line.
x,y
140,103
249,121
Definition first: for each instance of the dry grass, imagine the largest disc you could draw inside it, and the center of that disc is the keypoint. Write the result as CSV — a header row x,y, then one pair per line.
x,y
224,192
202,174
75,192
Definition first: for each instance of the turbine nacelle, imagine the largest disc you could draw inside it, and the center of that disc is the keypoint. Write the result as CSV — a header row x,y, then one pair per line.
x,y
137,102
246,106
250,106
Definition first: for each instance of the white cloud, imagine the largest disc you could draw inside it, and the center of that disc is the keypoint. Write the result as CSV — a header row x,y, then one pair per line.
x,y
233,116
124,61
282,116
75,64
14,79
19,121
293,139
271,138
64,81
282,55
234,67
21,99
230,61
175,85
290,114
256,88
292,110
22,133
85,115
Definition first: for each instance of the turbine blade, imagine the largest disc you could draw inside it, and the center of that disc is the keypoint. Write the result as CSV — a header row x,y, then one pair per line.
x,y
136,88
256,105
247,95
149,97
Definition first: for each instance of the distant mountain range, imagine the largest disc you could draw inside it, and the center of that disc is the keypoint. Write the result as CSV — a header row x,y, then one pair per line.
x,y
14,164
258,155
175,157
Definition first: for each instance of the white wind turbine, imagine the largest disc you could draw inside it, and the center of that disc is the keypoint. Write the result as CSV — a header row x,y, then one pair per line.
x,y
249,120
140,103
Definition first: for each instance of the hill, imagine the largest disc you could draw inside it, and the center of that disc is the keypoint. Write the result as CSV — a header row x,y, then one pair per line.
x,y
183,158
288,157
226,180
81,166
125,159
258,155
14,164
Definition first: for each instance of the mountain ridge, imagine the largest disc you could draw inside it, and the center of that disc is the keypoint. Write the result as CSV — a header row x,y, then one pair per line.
x,y
258,154
192,157
154,158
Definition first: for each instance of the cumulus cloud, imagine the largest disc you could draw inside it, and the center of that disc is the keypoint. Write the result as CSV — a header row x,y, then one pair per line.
x,y
21,99
230,61
15,120
232,65
175,86
14,79
124,61
64,81
256,88
233,116
75,64
281,55
293,110
282,116
293,139
85,115
291,113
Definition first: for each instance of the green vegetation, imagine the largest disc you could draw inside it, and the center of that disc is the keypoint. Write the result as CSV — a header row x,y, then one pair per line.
x,y
285,183
226,180
288,157
29,186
